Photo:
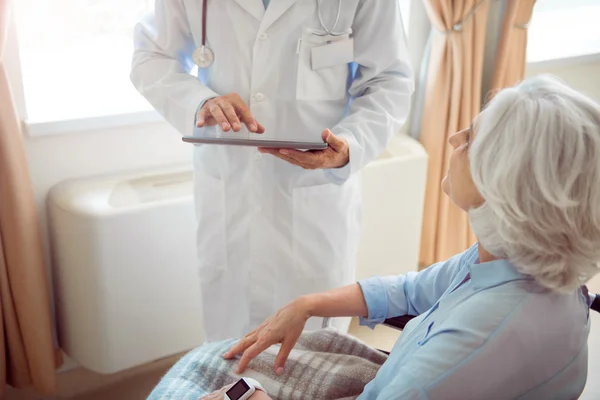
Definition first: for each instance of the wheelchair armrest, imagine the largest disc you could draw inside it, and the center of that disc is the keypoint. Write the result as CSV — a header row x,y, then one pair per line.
x,y
398,322
596,303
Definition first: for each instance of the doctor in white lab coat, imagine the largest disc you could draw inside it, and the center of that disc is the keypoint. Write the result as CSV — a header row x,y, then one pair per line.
x,y
274,226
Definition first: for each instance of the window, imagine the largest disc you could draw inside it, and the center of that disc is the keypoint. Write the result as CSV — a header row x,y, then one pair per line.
x,y
405,10
76,57
563,29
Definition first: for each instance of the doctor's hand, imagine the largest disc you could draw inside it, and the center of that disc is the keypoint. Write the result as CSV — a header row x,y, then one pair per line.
x,y
336,155
284,327
229,112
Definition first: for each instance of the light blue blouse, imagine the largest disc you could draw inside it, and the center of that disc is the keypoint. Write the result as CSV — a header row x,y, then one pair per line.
x,y
484,331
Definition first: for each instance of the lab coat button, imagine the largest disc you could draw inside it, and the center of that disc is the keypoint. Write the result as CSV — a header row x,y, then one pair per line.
x,y
259,97
263,36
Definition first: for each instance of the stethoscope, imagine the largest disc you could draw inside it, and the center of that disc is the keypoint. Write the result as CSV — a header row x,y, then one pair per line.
x,y
329,32
203,56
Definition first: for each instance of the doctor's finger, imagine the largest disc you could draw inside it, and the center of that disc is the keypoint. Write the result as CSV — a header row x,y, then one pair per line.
x,y
335,143
276,153
261,129
312,158
295,162
217,113
231,114
246,116
204,117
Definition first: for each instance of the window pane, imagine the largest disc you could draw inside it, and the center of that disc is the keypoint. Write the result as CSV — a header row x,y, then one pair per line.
x,y
561,29
405,10
76,57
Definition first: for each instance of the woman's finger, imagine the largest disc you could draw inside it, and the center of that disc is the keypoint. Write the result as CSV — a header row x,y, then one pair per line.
x,y
282,356
240,347
217,395
261,345
246,341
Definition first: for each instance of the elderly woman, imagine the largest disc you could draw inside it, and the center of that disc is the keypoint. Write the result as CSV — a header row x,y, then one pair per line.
x,y
507,318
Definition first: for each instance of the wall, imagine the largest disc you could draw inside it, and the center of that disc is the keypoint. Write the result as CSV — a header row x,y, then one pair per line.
x,y
581,73
53,159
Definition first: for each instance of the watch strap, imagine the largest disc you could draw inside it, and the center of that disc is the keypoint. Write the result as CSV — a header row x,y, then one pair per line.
x,y
254,383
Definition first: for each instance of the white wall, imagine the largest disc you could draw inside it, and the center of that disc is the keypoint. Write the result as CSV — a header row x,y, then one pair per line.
x,y
583,74
53,159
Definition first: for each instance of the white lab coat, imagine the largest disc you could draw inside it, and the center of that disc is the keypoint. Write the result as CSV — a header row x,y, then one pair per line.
x,y
269,231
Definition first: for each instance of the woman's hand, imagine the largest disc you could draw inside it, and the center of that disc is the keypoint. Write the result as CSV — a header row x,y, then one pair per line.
x,y
220,395
217,395
284,327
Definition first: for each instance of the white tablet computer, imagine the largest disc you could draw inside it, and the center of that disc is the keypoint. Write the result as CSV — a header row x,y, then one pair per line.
x,y
277,144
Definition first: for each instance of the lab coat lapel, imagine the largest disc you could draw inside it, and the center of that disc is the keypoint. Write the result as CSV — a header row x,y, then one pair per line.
x,y
256,8
275,10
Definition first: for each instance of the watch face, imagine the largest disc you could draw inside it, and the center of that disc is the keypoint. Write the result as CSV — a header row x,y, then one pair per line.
x,y
238,390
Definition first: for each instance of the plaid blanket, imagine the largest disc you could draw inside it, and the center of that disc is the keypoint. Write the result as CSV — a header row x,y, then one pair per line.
x,y
323,365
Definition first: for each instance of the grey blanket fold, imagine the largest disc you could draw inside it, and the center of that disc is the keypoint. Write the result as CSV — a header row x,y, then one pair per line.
x,y
323,365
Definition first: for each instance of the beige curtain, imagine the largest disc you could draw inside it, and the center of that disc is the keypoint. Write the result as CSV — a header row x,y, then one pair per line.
x,y
511,58
452,100
27,354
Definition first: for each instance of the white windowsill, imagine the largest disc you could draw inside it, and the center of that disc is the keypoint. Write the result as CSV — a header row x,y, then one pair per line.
x,y
67,126
38,129
565,61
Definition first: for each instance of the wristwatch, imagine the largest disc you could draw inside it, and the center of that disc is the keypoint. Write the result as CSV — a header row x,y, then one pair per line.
x,y
243,389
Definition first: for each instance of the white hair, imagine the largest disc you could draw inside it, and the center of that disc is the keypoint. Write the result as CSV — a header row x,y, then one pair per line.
x,y
535,159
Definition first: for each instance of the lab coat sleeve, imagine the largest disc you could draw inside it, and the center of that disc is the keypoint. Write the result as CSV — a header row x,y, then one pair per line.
x,y
162,62
382,88
413,293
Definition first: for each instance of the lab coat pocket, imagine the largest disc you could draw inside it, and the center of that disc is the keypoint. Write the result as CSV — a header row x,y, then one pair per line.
x,y
323,66
326,223
211,217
